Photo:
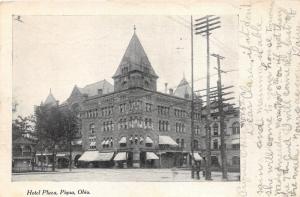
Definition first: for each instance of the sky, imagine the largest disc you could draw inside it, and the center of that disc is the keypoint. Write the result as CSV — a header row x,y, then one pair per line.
x,y
59,52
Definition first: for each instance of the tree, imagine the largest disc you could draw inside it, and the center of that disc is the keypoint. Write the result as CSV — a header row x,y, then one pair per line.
x,y
56,126
22,126
71,129
50,127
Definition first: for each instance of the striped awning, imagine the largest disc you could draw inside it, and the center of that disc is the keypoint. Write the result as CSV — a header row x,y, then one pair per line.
x,y
89,156
149,140
123,140
105,156
197,157
93,143
151,155
166,140
121,156
96,156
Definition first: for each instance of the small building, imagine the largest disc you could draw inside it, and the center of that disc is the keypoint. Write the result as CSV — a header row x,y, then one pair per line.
x,y
22,154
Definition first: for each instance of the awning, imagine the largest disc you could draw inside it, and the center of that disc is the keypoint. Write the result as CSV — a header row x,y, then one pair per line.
x,y
89,156
102,143
120,156
44,154
107,142
149,140
93,143
76,142
167,140
197,157
105,156
151,155
61,155
123,140
235,141
141,139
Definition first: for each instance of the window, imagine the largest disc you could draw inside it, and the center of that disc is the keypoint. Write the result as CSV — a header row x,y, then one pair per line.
x,y
148,107
182,143
235,160
111,142
215,129
195,144
235,128
92,128
163,125
235,146
215,144
178,141
92,141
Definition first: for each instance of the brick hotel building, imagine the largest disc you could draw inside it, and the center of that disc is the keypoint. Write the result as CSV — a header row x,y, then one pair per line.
x,y
131,124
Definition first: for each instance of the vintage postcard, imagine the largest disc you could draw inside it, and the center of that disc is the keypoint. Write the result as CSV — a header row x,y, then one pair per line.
x,y
151,98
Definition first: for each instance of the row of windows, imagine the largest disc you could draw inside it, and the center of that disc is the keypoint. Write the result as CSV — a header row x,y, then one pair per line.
x,y
135,122
107,111
180,142
197,130
108,126
92,113
197,116
179,113
162,110
235,129
107,142
180,128
163,125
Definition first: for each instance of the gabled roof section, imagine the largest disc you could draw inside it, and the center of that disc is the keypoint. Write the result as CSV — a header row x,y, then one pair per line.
x,y
50,99
135,58
92,89
76,91
183,89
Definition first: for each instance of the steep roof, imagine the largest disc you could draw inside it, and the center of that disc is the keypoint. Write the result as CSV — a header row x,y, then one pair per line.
x,y
50,99
183,89
92,89
135,58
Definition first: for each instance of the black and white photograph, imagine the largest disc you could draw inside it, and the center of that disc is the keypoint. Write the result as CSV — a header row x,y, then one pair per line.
x,y
150,98
125,98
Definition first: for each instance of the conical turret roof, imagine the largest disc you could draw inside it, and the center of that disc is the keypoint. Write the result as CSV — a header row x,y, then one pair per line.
x,y
183,89
50,99
135,58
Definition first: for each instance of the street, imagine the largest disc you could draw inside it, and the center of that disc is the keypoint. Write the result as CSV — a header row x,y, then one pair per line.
x,y
100,174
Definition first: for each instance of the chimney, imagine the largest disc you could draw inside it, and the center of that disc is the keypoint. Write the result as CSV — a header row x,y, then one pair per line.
x,y
171,91
166,88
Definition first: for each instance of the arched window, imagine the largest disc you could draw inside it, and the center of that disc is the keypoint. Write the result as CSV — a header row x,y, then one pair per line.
x,y
215,129
178,141
235,128
235,160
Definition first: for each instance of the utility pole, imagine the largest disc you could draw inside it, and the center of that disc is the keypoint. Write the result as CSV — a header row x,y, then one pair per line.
x,y
192,102
204,26
221,115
